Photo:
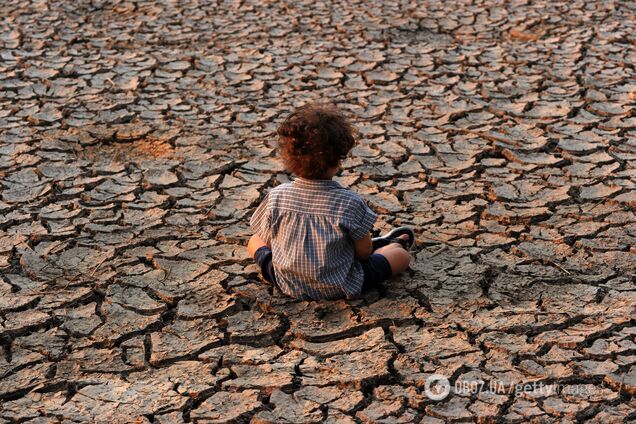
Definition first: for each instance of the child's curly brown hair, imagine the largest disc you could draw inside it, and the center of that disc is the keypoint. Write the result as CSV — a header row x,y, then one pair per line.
x,y
314,138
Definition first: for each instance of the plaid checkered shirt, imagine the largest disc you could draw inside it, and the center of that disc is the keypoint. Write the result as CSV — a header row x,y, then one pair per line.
x,y
310,226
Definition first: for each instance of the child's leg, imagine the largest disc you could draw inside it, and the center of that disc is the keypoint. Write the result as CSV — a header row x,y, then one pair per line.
x,y
397,256
254,244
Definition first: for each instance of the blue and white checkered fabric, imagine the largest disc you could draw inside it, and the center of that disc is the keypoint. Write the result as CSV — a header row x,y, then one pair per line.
x,y
310,226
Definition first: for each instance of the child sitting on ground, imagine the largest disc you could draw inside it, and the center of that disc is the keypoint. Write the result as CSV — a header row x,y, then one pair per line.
x,y
312,237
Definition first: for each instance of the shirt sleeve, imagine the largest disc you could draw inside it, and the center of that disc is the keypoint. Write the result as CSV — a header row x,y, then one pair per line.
x,y
364,218
261,220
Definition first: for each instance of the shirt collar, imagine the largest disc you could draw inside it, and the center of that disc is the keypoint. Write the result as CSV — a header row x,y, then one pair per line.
x,y
316,184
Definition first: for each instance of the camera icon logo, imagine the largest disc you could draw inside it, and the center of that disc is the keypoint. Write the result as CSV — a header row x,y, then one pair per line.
x,y
437,387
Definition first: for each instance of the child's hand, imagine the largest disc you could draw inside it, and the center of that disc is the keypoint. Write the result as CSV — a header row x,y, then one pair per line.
x,y
363,247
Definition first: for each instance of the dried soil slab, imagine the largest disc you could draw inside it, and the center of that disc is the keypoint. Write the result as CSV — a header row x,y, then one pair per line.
x,y
22,194
591,368
339,398
9,302
118,401
48,342
192,378
390,311
386,411
135,299
491,240
120,322
235,201
211,302
389,405
432,342
321,321
584,229
253,327
15,323
509,343
277,375
287,408
227,407
381,77
172,284
534,369
241,354
25,379
79,364
608,108
559,408
613,413
577,146
179,271
36,268
160,177
30,407
184,338
20,357
455,409
215,254
598,191
538,158
514,215
627,198
372,339
356,369
82,260
624,382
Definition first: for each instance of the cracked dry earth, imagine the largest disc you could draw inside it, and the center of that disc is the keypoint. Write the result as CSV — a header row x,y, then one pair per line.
x,y
136,138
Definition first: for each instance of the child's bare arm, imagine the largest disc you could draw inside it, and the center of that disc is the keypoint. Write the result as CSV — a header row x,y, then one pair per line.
x,y
363,247
254,244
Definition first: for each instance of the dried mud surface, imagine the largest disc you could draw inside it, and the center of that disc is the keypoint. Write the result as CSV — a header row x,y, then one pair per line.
x,y
136,138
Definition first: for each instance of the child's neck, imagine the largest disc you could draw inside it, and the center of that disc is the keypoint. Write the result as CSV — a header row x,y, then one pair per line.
x,y
325,178
331,173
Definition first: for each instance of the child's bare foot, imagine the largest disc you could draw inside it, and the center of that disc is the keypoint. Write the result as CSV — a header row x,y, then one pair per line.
x,y
404,235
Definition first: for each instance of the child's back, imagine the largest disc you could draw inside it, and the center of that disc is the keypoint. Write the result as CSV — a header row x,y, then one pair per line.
x,y
310,226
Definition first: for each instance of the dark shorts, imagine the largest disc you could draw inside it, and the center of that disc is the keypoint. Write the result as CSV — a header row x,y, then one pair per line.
x,y
376,268
263,258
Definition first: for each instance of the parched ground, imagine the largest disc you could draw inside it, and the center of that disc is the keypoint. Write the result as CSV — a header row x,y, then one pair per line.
x,y
136,138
